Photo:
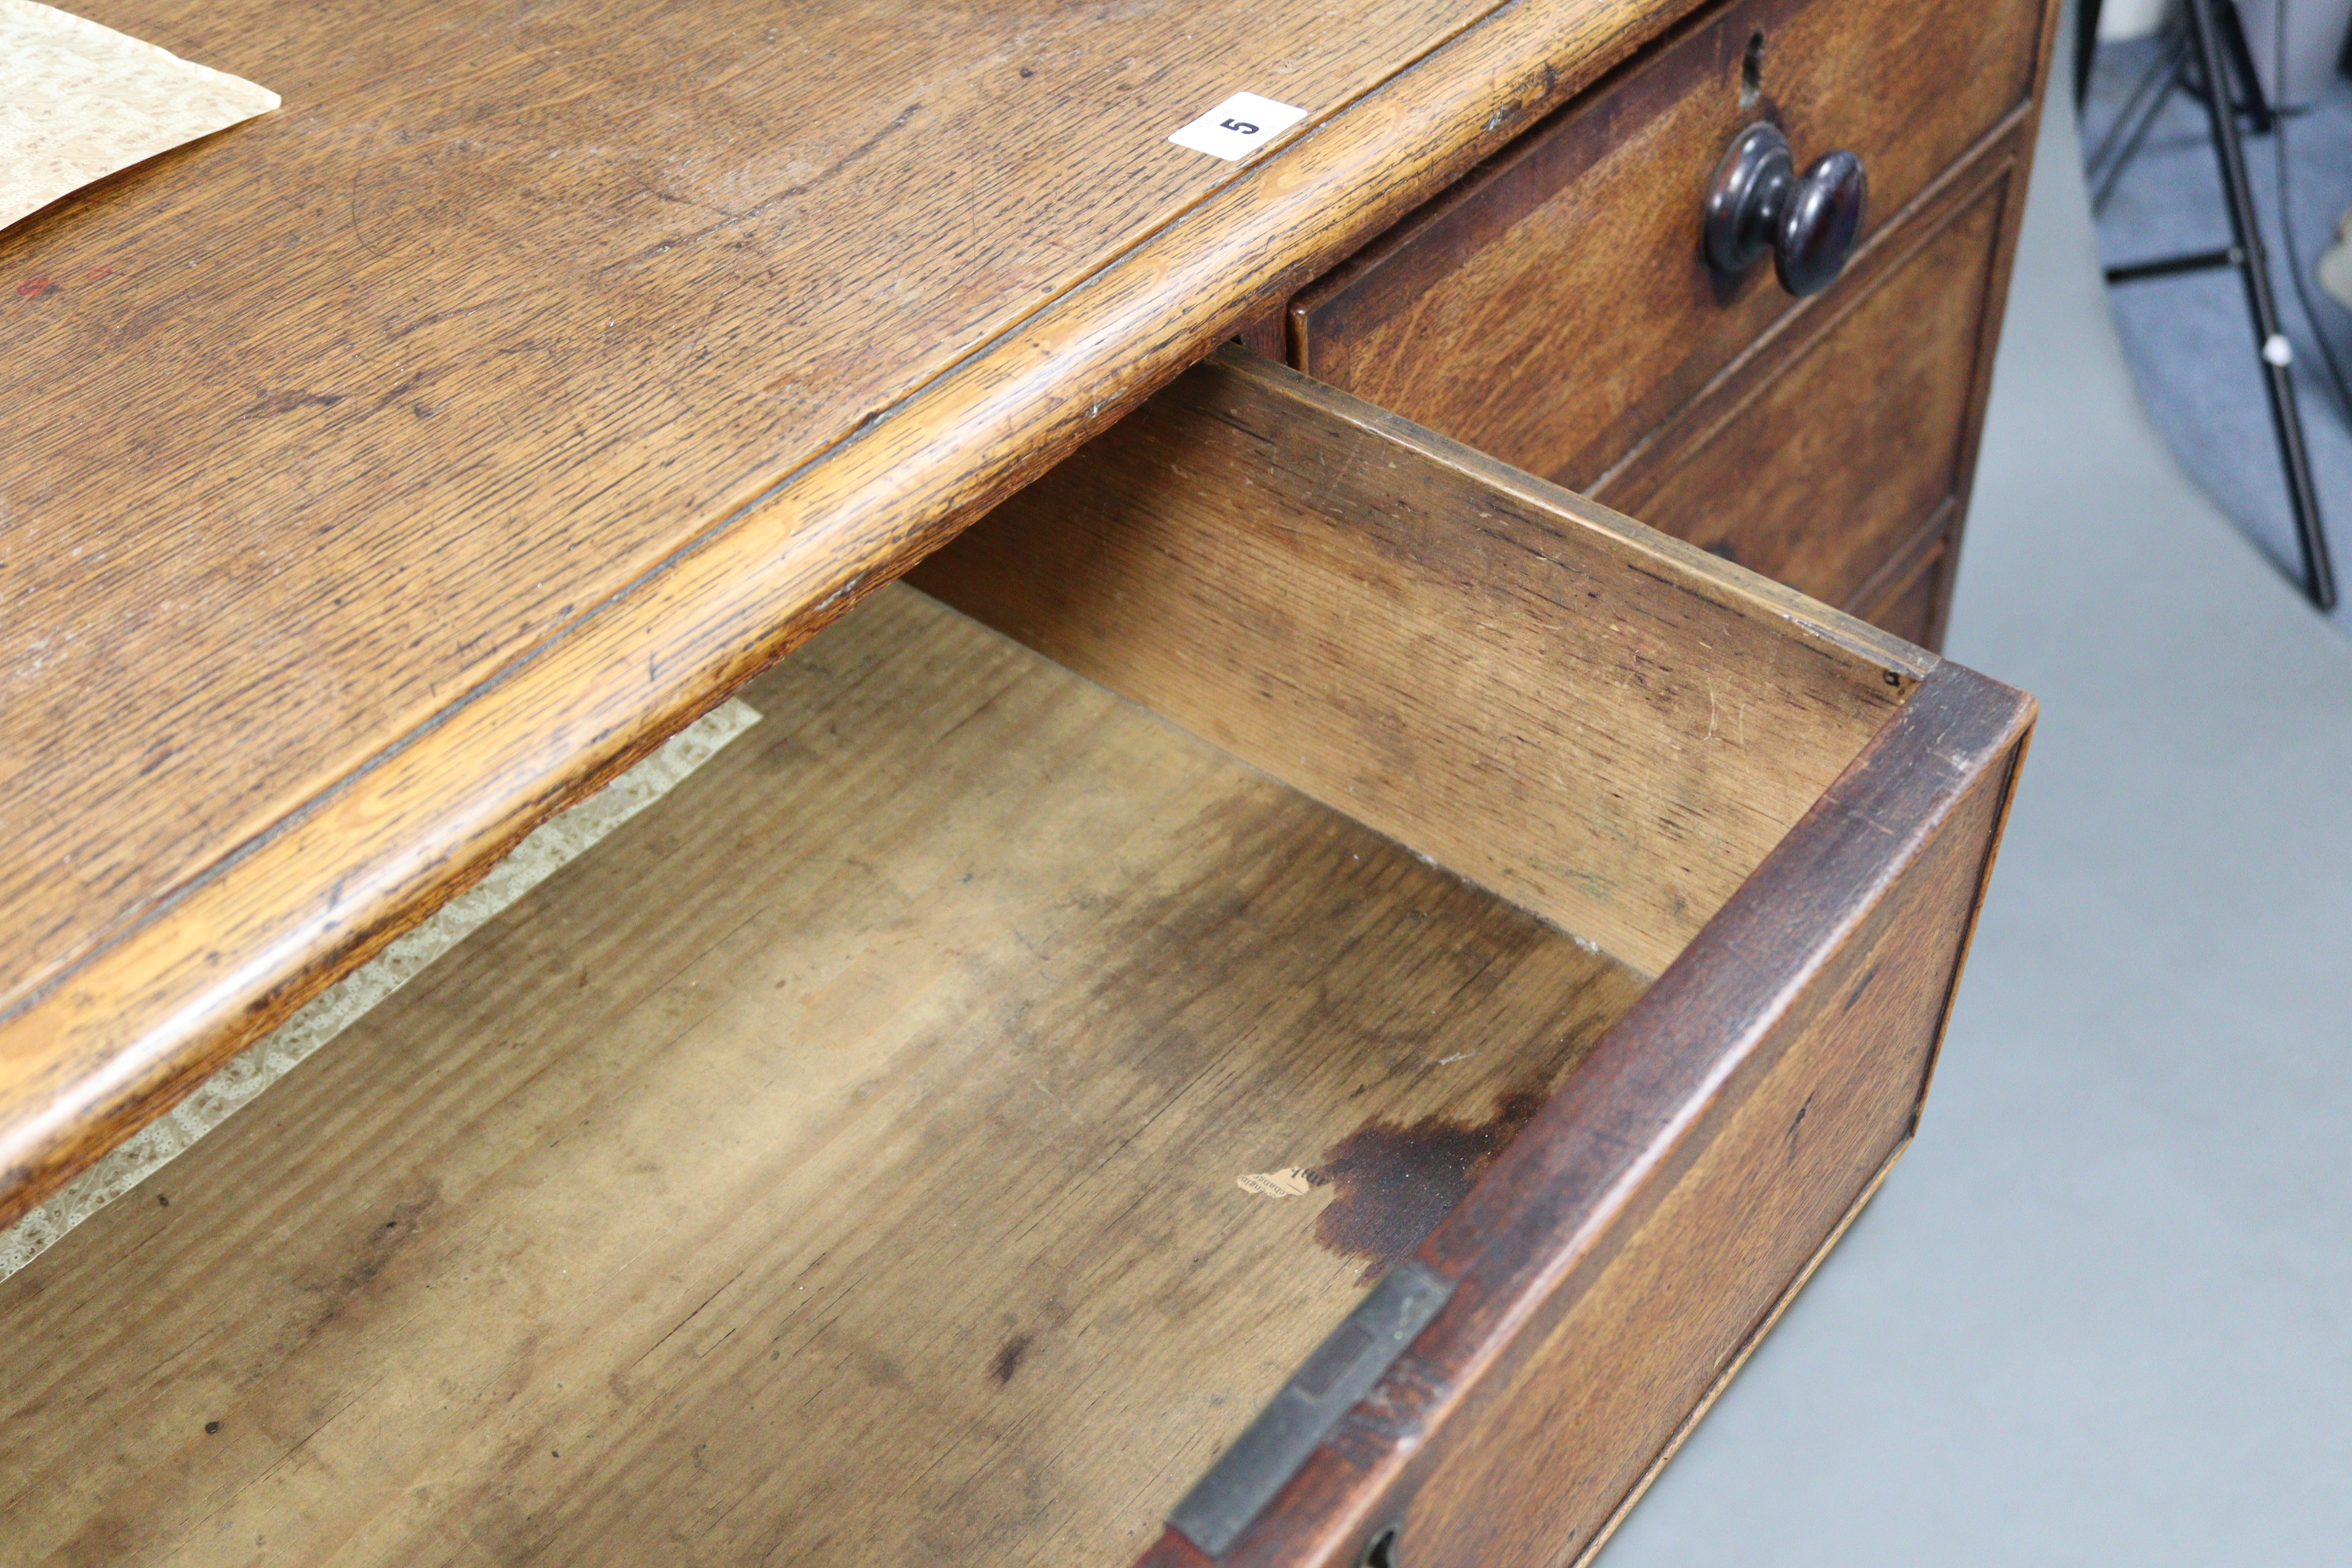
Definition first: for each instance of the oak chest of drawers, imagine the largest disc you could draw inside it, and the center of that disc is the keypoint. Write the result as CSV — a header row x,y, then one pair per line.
x,y
1303,995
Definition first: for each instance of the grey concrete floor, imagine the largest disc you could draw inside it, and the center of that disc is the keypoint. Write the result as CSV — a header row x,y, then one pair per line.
x,y
2102,1313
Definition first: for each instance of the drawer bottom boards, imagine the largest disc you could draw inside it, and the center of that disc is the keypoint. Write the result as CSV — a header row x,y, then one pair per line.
x,y
843,1165
940,1126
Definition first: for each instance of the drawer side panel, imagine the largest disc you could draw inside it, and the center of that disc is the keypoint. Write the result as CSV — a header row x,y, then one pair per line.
x,y
1543,1471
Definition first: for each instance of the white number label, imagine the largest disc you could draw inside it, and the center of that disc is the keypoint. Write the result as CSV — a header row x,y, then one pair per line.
x,y
1238,127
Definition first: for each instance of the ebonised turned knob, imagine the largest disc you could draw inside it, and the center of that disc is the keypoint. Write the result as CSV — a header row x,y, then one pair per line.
x,y
1808,222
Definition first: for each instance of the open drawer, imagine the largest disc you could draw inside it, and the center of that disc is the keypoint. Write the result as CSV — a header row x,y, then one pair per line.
x,y
1354,1088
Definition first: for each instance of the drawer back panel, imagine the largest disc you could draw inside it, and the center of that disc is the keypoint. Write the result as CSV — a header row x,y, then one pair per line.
x,y
1556,306
1606,726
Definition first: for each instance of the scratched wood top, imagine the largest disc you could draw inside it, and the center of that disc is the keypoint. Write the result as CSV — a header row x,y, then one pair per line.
x,y
382,473
837,1166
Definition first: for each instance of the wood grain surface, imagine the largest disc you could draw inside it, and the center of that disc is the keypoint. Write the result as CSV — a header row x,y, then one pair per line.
x,y
515,300
1607,726
1614,1262
837,1166
386,472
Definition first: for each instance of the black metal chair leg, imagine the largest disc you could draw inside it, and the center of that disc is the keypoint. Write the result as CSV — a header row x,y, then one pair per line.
x,y
2217,38
2086,47
2270,342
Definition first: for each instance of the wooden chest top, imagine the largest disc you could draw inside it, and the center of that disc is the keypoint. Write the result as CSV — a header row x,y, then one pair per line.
x,y
382,473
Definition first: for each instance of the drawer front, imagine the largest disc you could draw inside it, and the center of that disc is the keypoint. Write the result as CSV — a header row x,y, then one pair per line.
x,y
1556,307
1836,460
1579,1427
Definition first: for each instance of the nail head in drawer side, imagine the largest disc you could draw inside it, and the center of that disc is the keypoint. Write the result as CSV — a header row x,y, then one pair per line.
x,y
1557,305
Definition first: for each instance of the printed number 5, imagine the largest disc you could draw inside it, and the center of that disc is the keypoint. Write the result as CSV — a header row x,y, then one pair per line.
x,y
1244,126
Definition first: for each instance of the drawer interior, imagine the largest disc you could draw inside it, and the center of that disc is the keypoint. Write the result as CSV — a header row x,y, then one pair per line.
x,y
937,1128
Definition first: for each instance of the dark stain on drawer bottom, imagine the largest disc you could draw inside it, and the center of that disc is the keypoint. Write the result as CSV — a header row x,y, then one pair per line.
x,y
1396,1182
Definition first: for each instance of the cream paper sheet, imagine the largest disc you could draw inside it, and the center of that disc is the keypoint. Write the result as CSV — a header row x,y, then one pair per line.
x,y
79,101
